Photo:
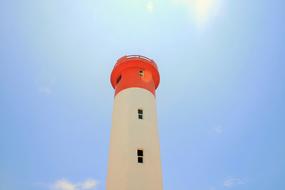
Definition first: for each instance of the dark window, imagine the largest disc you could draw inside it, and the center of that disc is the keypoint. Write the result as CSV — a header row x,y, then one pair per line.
x,y
140,160
140,113
140,152
141,73
140,155
119,79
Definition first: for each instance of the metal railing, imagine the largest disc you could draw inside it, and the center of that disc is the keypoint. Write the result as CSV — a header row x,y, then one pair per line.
x,y
137,57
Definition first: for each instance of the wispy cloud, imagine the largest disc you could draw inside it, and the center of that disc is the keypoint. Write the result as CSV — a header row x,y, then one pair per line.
x,y
45,90
65,184
233,181
89,184
46,87
218,129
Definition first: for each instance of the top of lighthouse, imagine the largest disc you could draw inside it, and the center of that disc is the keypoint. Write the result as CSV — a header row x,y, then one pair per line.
x,y
135,71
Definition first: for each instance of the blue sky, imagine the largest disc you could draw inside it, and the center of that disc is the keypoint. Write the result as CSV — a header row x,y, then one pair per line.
x,y
220,103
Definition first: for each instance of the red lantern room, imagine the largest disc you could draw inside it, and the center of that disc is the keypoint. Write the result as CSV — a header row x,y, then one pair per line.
x,y
135,71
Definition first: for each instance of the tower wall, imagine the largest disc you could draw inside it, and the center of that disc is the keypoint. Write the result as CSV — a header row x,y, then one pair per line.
x,y
130,134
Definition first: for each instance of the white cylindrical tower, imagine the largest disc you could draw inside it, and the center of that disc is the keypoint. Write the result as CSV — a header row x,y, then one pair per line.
x,y
134,157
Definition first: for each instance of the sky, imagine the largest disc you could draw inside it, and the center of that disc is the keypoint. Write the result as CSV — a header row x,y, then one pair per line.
x,y
220,102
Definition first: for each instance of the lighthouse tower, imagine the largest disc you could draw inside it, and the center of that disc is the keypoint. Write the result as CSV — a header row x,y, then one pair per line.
x,y
134,157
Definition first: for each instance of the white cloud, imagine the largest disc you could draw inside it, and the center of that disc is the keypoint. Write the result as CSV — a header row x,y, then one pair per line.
x,y
64,184
218,129
46,87
89,184
231,182
45,90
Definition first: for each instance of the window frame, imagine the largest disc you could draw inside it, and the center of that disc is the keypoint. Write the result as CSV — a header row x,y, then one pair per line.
x,y
140,156
141,73
140,160
140,152
140,114
119,79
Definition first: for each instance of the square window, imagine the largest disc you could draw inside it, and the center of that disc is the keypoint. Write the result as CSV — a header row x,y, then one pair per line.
x,y
140,160
141,73
140,111
119,79
140,152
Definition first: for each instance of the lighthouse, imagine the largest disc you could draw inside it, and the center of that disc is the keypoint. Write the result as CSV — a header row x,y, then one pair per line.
x,y
134,155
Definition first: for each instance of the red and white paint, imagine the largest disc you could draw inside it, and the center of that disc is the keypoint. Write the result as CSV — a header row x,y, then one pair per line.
x,y
135,80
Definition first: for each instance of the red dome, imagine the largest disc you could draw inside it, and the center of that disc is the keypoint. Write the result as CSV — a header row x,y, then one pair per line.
x,y
126,73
